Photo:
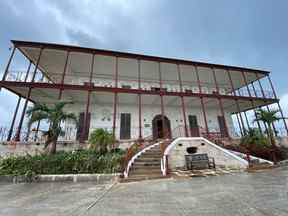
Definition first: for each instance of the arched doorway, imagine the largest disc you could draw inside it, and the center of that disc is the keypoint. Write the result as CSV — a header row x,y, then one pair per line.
x,y
158,127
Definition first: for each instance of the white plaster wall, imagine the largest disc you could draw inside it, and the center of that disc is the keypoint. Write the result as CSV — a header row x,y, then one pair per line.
x,y
145,84
102,117
176,156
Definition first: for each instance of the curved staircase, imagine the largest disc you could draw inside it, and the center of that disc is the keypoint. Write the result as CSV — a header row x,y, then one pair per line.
x,y
146,166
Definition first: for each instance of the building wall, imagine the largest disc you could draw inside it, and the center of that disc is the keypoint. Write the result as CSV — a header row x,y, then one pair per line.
x,y
176,156
102,117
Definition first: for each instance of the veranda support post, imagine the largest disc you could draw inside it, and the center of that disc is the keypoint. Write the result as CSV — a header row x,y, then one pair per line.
x,y
139,101
17,105
8,64
182,101
279,107
18,132
115,102
236,101
220,102
86,120
63,75
201,100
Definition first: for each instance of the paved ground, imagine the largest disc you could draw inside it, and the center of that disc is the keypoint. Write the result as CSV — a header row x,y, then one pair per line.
x,y
264,193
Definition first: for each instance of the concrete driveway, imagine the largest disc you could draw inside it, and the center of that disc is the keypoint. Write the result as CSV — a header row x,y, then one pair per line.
x,y
263,193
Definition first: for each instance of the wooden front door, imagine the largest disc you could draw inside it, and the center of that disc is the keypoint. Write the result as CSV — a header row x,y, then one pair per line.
x,y
161,129
222,126
194,128
82,125
125,126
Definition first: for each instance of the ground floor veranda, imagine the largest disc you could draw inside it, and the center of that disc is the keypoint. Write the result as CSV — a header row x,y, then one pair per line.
x,y
133,115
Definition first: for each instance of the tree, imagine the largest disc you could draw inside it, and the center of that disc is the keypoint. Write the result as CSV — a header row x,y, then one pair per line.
x,y
54,115
101,140
268,118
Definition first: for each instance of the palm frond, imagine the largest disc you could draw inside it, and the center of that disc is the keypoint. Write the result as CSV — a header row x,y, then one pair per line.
x,y
60,105
37,107
69,116
38,116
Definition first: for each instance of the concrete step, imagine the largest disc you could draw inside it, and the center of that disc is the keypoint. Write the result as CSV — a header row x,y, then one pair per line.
x,y
148,159
145,168
146,172
133,178
149,163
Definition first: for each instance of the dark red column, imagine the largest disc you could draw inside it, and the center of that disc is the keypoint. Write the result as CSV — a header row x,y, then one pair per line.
x,y
36,132
86,126
63,74
247,121
279,107
17,106
13,120
241,131
8,64
204,115
182,101
252,102
273,125
18,132
241,119
236,101
220,102
162,103
264,96
139,100
115,99
201,100
259,82
114,113
85,129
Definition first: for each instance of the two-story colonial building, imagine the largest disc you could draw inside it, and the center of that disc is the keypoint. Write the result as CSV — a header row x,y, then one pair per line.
x,y
136,96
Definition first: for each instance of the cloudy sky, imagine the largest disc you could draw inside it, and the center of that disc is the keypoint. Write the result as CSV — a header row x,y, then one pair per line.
x,y
249,33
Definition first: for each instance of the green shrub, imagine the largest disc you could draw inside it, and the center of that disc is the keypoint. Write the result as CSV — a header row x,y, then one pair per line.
x,y
254,138
101,140
80,161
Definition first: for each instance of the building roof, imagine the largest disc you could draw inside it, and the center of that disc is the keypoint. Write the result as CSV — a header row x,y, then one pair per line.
x,y
20,44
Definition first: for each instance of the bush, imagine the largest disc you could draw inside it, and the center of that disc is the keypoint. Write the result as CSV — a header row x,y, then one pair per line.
x,y
258,145
80,161
254,138
101,140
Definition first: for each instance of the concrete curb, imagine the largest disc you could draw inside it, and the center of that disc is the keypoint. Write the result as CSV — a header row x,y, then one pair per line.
x,y
97,178
283,163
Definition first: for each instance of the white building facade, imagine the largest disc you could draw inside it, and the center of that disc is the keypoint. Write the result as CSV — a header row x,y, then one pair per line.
x,y
136,97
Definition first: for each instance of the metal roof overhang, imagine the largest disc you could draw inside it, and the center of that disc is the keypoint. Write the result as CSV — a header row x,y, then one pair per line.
x,y
54,55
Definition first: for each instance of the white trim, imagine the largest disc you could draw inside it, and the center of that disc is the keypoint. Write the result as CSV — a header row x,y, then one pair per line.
x,y
131,161
253,157
172,144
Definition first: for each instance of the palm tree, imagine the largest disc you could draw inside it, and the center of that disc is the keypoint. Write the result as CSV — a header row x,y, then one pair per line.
x,y
268,118
54,116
